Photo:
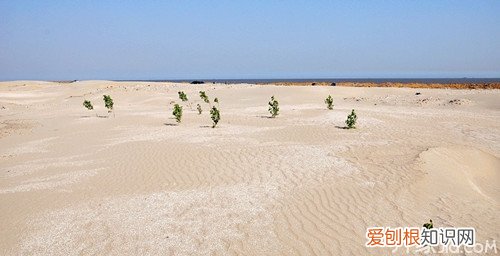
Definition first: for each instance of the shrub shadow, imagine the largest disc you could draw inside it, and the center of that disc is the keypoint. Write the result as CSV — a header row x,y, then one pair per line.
x,y
269,117
90,116
342,127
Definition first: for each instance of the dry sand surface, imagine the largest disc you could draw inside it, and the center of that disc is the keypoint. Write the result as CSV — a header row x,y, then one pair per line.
x,y
73,182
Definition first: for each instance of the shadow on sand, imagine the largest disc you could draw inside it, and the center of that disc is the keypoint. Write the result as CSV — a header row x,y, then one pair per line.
x,y
98,116
169,124
268,117
342,127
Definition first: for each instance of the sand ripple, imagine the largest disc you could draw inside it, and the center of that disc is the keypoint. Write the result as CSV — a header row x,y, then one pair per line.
x,y
202,222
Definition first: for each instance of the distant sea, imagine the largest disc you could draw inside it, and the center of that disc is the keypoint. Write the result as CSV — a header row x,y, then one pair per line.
x,y
339,80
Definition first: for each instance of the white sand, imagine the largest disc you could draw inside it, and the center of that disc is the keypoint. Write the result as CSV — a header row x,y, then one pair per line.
x,y
73,183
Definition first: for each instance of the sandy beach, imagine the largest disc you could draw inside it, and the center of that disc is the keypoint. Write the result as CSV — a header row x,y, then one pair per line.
x,y
134,182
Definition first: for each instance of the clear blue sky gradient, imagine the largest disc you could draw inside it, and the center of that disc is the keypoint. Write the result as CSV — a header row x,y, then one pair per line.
x,y
57,40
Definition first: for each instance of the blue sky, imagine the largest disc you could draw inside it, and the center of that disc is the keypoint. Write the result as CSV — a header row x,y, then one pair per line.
x,y
57,40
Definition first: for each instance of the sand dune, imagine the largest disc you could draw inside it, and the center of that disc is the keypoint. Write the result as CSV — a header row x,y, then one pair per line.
x,y
466,168
74,181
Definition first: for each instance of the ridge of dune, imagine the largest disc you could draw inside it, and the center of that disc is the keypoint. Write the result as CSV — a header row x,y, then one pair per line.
x,y
463,170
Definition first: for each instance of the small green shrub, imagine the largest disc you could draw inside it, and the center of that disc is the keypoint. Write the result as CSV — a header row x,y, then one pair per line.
x,y
329,102
108,103
177,113
204,97
198,107
429,225
274,107
182,96
215,114
88,104
351,120
216,100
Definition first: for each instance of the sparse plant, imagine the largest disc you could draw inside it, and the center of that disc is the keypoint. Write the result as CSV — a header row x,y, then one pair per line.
x,y
88,104
215,114
204,97
177,113
182,96
198,107
108,103
216,100
428,225
351,120
273,107
329,102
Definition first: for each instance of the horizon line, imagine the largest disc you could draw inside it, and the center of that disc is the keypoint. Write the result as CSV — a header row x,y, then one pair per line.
x,y
263,78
